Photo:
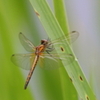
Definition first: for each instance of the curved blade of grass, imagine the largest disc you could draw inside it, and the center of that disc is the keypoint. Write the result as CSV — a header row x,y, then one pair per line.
x,y
69,89
61,15
54,31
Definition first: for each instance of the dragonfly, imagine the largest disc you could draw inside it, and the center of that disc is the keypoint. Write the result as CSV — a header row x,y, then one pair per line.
x,y
44,54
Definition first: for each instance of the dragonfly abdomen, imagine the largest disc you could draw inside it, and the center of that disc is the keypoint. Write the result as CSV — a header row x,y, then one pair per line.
x,y
31,71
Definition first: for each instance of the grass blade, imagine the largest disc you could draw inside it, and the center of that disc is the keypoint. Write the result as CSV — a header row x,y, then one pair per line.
x,y
61,15
54,31
68,90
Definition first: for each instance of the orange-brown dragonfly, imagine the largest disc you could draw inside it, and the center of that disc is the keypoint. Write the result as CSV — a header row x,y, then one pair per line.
x,y
45,54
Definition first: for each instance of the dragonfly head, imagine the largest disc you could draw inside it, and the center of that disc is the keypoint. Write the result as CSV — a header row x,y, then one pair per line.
x,y
44,42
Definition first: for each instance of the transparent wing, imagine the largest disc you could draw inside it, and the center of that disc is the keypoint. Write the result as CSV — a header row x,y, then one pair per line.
x,y
71,37
23,60
27,44
58,42
52,61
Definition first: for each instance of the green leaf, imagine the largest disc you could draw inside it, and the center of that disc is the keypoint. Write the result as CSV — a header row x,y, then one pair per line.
x,y
68,89
60,14
54,31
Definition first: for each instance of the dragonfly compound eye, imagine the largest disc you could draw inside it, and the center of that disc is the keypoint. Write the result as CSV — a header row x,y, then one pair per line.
x,y
44,41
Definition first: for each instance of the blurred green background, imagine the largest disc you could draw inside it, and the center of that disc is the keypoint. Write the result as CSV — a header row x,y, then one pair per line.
x,y
18,16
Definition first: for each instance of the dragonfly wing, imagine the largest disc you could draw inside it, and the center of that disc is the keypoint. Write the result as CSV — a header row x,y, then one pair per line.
x,y
58,42
71,37
23,60
27,44
53,61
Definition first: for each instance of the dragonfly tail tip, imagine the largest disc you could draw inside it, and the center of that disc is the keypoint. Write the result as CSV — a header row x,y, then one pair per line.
x,y
25,87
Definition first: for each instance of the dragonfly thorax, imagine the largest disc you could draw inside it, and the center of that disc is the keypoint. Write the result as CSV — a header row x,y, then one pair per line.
x,y
40,49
